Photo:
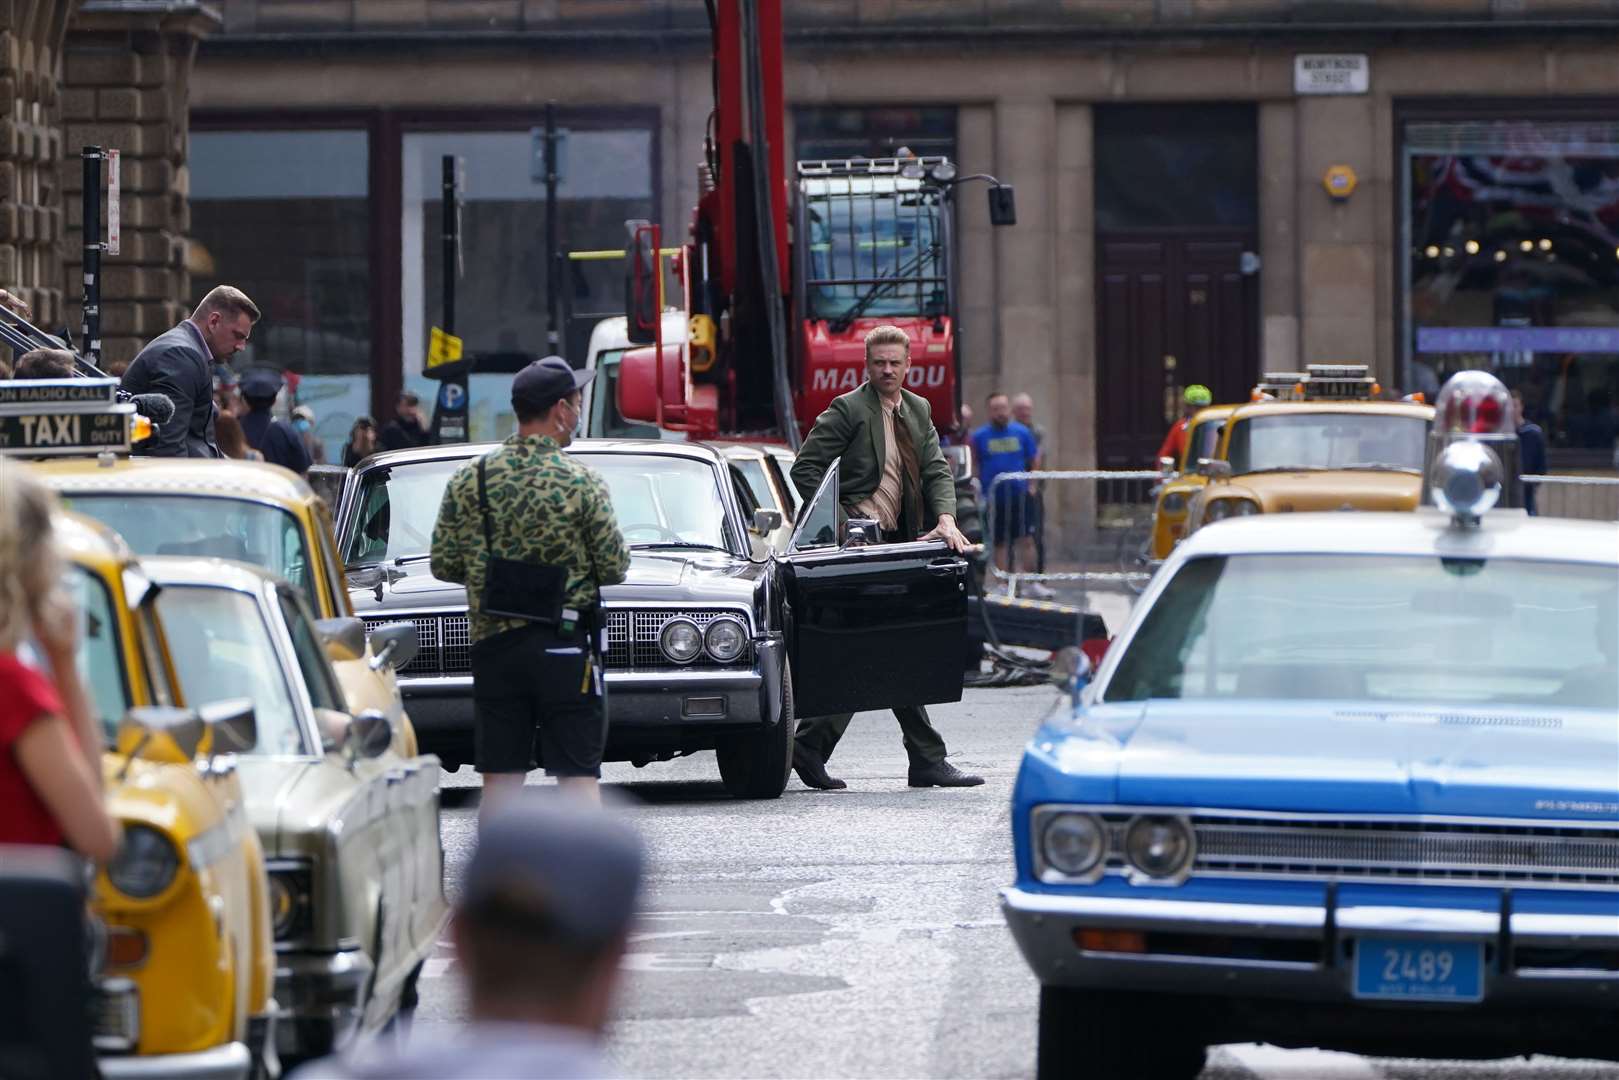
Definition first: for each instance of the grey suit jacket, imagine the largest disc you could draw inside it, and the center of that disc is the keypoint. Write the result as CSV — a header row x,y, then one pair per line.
x,y
174,364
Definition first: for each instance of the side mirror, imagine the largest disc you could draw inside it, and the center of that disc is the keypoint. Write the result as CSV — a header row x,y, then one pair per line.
x,y
394,643
1071,668
161,733
641,271
364,577
1166,465
859,532
342,637
1002,205
1214,468
233,725
766,522
369,735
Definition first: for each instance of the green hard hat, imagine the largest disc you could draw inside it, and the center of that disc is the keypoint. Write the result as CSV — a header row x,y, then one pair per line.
x,y
1197,394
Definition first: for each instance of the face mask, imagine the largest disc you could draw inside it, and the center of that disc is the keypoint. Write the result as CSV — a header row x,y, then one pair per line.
x,y
301,424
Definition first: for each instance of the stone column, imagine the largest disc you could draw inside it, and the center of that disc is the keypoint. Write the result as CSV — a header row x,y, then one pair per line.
x,y
127,87
975,257
1338,272
30,145
1280,195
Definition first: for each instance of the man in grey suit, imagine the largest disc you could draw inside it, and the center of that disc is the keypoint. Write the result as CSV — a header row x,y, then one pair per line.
x,y
179,365
891,470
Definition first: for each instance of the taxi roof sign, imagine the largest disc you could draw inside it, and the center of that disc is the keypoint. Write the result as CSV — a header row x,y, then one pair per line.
x,y
58,417
1318,382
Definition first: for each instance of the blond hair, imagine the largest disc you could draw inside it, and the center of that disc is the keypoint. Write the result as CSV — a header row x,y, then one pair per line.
x,y
28,559
227,300
887,335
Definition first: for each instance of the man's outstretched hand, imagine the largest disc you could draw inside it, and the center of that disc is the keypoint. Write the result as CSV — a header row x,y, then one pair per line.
x,y
947,531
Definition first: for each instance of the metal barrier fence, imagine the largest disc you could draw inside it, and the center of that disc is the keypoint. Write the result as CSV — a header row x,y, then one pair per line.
x,y
1092,528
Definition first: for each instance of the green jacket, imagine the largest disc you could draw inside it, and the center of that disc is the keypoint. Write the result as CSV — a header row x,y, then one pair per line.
x,y
544,507
851,431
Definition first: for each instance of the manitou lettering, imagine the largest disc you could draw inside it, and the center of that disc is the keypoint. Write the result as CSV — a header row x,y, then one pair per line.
x,y
849,378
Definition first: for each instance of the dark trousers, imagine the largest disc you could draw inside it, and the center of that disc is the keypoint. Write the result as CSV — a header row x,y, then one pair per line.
x,y
923,743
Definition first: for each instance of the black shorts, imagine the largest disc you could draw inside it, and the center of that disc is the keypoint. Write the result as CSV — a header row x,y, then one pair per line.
x,y
530,683
1011,515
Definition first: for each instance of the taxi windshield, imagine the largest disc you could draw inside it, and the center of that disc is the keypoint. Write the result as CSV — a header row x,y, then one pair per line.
x,y
1327,440
223,649
1379,628
207,525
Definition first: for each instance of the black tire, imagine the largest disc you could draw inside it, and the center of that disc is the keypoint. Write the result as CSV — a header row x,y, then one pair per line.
x,y
1095,1035
756,765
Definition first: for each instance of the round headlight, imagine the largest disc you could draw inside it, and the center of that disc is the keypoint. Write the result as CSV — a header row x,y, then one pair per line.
x,y
1220,509
283,905
1160,847
725,639
680,640
145,864
1073,843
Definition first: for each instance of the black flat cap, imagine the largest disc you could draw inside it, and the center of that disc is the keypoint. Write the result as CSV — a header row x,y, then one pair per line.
x,y
546,381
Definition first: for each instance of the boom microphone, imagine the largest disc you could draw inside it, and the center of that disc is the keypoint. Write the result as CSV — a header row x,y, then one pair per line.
x,y
156,407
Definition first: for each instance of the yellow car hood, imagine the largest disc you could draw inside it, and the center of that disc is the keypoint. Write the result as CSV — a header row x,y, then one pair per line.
x,y
1285,492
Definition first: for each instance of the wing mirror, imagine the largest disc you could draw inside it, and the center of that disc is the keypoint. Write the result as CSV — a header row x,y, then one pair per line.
x,y
861,532
342,637
365,577
162,733
1071,668
1166,465
369,735
233,725
1214,468
393,643
766,522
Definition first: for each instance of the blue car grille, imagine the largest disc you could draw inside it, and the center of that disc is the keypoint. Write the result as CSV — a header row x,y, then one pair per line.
x,y
1400,851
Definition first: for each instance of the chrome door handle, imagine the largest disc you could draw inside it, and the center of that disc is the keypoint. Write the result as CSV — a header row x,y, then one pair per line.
x,y
944,566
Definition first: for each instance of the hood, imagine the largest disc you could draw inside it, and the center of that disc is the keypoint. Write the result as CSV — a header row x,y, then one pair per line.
x,y
1305,491
270,790
653,575
1325,757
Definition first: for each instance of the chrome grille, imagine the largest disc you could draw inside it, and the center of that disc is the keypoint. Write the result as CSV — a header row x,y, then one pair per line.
x,y
632,639
437,644
455,643
1429,852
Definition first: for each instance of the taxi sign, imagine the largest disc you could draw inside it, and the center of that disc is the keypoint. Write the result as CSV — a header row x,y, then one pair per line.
x,y
54,417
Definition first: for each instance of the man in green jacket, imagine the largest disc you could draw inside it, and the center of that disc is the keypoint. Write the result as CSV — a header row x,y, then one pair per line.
x,y
892,471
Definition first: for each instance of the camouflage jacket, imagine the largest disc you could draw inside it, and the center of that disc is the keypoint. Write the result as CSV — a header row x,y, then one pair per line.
x,y
544,507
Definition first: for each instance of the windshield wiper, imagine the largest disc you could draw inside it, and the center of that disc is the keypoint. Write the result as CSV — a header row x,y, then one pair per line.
x,y
1380,466
1285,468
681,544
885,282
403,559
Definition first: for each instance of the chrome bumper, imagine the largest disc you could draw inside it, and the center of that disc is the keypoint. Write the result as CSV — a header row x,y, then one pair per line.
x,y
1308,946
321,998
229,1062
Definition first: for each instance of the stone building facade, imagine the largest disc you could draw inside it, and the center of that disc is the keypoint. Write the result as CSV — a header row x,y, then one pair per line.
x,y
1171,159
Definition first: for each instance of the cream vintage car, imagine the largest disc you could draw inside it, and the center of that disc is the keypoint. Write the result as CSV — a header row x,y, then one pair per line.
x,y
348,824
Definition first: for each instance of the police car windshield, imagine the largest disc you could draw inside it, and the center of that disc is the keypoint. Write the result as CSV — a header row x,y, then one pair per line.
x,y
1327,440
208,526
1376,628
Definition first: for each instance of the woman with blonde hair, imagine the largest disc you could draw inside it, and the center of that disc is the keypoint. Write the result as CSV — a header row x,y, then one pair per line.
x,y
50,746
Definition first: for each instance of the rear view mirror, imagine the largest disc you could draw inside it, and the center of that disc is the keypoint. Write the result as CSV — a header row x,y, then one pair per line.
x,y
766,521
394,643
343,637
1002,205
233,725
641,282
369,735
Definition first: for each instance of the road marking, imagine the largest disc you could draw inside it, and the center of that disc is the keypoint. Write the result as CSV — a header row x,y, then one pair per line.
x,y
1275,1063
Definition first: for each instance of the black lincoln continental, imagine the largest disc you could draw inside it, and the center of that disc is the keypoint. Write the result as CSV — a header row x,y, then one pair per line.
x,y
714,641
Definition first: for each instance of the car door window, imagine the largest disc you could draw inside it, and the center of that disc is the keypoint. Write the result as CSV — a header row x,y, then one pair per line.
x,y
818,527
747,495
785,486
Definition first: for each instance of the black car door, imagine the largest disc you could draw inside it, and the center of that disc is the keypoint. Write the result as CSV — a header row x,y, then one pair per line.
x,y
869,627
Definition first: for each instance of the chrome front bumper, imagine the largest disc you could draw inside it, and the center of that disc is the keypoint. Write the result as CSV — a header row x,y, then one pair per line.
x,y
1297,952
229,1062
322,999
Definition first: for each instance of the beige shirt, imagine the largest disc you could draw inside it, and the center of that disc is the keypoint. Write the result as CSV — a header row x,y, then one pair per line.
x,y
883,504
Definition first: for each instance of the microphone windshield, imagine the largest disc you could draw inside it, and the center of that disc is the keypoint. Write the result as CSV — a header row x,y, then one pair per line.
x,y
157,407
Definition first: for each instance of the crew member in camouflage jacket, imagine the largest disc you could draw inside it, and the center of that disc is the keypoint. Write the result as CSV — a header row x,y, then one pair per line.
x,y
548,508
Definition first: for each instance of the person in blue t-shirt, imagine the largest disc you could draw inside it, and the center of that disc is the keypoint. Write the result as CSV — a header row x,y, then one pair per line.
x,y
1004,446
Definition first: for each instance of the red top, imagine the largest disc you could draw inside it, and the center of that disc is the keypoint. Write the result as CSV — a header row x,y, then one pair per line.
x,y
26,697
1175,442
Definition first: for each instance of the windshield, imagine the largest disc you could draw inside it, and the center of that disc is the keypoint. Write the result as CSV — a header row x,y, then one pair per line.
x,y
605,421
1374,628
257,533
657,499
397,509
223,649
858,238
1327,440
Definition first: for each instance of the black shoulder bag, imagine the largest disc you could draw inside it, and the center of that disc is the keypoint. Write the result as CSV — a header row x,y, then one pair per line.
x,y
513,588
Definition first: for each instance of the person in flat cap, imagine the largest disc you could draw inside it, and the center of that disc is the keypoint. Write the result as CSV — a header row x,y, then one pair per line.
x,y
540,930
276,439
530,502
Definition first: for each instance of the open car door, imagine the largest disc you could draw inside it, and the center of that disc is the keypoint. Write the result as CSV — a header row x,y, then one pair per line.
x,y
869,626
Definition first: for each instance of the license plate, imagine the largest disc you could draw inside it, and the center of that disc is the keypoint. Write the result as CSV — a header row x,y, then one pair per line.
x,y
1411,969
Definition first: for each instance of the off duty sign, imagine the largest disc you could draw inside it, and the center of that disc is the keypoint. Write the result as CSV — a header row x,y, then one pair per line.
x,y
1331,73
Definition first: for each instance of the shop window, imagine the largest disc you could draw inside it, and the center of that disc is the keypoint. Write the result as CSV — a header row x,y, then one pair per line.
x,y
1512,264
501,293
1164,166
284,216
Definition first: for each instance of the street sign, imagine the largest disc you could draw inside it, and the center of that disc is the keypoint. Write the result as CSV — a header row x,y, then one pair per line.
x,y
442,348
114,208
1331,73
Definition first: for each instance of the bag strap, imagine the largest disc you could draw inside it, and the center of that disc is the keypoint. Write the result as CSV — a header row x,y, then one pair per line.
x,y
483,505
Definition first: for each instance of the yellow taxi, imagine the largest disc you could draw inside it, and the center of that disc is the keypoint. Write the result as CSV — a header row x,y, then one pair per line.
x,y
1317,440
248,511
185,987
1175,494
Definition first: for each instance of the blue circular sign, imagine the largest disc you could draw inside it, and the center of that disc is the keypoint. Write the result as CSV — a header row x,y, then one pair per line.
x,y
451,395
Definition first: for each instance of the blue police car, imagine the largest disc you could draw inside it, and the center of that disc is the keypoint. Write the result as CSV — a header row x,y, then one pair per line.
x,y
1345,780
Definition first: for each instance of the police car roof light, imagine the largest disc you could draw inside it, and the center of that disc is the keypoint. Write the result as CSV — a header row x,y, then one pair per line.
x,y
1475,403
1466,481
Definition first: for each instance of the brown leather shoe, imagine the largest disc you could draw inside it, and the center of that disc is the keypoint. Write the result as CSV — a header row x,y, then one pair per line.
x,y
942,774
812,770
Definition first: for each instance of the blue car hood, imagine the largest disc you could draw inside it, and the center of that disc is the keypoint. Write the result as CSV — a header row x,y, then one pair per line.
x,y
1347,758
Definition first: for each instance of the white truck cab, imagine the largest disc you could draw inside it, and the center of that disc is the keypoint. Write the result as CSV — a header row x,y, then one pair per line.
x,y
608,341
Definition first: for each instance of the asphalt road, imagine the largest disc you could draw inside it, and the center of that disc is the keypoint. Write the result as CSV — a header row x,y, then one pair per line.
x,y
852,934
